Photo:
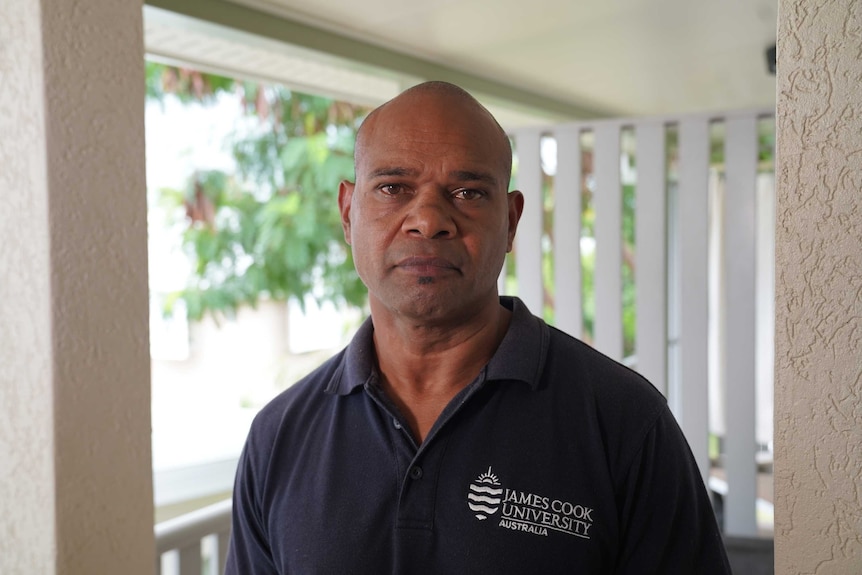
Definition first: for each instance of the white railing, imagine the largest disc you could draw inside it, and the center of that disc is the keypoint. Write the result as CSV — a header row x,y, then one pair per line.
x,y
703,219
194,543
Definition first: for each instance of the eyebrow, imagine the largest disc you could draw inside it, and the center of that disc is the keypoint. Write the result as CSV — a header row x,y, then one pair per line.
x,y
393,171
467,176
457,175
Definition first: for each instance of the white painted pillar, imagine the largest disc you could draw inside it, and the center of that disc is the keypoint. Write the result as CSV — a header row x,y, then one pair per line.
x,y
818,285
75,463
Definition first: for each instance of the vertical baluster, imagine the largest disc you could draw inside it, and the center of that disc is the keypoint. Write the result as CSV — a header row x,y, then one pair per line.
x,y
740,320
528,258
168,563
651,254
692,242
607,199
568,287
209,554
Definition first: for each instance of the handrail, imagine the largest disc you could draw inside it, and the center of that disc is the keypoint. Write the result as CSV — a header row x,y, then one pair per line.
x,y
191,527
186,534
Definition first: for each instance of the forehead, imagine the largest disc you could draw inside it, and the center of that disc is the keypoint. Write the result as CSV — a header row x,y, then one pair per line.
x,y
428,130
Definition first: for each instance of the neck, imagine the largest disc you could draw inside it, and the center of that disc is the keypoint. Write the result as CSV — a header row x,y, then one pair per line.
x,y
424,366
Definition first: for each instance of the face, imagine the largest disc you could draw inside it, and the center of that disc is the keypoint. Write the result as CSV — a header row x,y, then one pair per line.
x,y
429,219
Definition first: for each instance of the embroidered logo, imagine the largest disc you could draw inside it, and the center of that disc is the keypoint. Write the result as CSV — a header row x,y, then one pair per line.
x,y
526,511
484,496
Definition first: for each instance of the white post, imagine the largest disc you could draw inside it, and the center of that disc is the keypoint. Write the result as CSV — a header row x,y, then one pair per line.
x,y
692,245
528,241
765,281
651,253
75,469
608,202
568,287
740,315
818,306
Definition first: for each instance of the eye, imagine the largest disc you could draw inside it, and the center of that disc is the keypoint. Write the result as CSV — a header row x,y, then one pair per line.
x,y
468,194
391,189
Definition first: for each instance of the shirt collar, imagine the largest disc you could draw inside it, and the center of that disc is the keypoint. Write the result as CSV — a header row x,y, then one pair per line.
x,y
522,353
357,365
520,356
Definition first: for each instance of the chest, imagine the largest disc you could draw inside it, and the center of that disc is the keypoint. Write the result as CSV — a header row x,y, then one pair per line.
x,y
490,492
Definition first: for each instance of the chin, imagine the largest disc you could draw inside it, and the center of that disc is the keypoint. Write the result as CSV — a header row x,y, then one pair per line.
x,y
416,306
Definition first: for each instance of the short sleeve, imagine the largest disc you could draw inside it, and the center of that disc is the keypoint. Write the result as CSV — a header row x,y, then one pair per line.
x,y
667,521
249,551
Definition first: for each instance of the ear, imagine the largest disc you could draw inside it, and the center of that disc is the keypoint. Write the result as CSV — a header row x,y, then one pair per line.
x,y
345,199
516,207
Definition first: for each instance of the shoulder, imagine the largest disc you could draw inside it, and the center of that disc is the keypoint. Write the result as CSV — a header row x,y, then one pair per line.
x,y
293,406
572,362
568,372
621,406
300,415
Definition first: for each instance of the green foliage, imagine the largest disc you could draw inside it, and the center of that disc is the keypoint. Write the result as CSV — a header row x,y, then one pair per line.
x,y
186,85
629,309
273,228
588,278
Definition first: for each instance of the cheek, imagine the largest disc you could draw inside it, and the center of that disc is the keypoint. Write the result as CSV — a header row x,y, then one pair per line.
x,y
499,247
365,237
361,261
373,230
368,249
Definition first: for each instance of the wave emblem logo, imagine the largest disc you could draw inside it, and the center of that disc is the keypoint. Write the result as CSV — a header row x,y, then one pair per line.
x,y
485,494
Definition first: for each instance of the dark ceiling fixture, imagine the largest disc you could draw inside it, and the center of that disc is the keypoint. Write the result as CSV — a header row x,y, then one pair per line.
x,y
770,59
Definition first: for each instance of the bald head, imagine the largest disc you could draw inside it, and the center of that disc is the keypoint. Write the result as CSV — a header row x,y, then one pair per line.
x,y
436,101
430,216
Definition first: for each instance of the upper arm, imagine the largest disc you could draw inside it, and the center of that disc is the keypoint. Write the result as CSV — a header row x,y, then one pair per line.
x,y
667,521
249,551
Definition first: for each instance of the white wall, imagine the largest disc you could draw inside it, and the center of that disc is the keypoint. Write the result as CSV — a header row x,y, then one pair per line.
x,y
818,355
26,434
75,481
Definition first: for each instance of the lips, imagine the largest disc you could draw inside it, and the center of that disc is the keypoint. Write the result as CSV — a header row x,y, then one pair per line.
x,y
426,264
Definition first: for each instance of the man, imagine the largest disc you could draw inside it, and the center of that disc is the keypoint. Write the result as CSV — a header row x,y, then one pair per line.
x,y
457,433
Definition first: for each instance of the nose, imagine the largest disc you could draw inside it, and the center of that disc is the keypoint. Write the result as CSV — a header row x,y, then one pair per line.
x,y
430,216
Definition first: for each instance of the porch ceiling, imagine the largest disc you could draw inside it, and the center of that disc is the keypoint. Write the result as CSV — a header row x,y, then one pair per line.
x,y
603,57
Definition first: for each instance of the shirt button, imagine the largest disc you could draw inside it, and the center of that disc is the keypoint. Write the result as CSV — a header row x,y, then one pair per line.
x,y
415,472
396,424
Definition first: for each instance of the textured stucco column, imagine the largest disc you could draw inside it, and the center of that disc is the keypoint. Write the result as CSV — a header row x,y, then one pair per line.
x,y
75,471
818,388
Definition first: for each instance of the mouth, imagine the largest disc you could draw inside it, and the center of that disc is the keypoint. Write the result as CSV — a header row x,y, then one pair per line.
x,y
427,265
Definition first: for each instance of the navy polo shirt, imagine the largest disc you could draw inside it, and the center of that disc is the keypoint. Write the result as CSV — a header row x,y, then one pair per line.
x,y
554,460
